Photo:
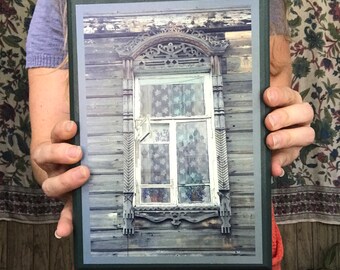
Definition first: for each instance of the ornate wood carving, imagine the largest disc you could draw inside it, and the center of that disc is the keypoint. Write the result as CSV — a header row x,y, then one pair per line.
x,y
175,56
225,211
220,129
176,214
128,214
209,44
174,48
221,145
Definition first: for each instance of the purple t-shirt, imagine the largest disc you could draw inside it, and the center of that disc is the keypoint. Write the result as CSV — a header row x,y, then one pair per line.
x,y
45,45
45,40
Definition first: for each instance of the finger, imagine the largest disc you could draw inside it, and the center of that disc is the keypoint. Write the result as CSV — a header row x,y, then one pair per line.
x,y
65,226
286,138
297,114
63,131
72,179
57,153
281,97
283,157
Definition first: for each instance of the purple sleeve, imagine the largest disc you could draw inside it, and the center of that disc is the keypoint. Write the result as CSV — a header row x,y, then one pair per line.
x,y
278,21
45,41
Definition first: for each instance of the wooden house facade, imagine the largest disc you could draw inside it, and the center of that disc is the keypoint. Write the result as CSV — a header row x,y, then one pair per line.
x,y
136,209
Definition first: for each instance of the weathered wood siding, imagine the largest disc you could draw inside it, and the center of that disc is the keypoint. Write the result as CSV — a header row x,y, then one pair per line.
x,y
105,157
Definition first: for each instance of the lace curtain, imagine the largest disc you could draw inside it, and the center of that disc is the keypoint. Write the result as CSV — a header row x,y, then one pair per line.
x,y
170,103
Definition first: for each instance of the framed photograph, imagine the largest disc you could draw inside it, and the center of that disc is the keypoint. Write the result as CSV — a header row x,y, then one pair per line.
x,y
168,98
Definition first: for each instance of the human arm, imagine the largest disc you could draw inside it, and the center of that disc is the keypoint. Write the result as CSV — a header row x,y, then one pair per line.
x,y
51,155
49,110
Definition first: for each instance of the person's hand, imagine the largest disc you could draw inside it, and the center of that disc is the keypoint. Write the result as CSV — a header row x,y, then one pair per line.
x,y
55,158
289,126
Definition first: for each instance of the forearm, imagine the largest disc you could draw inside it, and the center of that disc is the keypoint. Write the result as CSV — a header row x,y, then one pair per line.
x,y
280,61
49,104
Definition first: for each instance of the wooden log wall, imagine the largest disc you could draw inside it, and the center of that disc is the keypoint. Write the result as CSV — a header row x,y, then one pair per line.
x,y
34,247
105,156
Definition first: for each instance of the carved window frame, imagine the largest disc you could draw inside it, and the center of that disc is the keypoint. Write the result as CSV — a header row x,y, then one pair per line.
x,y
208,60
208,118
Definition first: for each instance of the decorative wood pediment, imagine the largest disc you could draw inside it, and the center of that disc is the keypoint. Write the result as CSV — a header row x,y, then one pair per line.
x,y
208,44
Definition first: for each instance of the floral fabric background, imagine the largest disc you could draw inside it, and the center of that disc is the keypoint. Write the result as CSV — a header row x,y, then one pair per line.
x,y
310,190
20,197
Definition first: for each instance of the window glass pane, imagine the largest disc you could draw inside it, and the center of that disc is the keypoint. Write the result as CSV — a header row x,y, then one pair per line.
x,y
187,99
166,100
192,153
155,164
194,194
158,133
160,195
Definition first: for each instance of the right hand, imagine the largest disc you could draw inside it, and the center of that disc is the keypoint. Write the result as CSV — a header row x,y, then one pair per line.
x,y
55,158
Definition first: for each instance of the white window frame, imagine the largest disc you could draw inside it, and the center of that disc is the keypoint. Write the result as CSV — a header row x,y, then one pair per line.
x,y
172,121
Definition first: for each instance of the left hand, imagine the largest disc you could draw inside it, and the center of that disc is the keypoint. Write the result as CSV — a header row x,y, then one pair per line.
x,y
289,126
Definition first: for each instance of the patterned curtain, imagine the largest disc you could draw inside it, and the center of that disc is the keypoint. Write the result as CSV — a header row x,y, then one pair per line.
x,y
172,100
193,162
310,190
20,197
155,170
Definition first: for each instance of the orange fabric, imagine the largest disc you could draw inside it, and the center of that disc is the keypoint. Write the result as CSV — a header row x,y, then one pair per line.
x,y
277,245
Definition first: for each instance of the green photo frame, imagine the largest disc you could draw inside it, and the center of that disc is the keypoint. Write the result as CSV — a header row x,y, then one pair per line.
x,y
168,99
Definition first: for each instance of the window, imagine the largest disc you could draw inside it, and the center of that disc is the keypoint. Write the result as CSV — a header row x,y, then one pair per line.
x,y
175,150
174,141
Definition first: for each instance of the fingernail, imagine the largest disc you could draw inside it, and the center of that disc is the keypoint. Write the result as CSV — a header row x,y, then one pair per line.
x,y
69,126
272,121
282,173
276,141
56,235
74,151
271,95
79,173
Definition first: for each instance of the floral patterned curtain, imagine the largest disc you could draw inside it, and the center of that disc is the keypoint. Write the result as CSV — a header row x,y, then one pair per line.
x,y
168,104
193,162
310,190
20,197
172,100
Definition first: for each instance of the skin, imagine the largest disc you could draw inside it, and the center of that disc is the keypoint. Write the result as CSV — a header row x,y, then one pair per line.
x,y
51,154
290,118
